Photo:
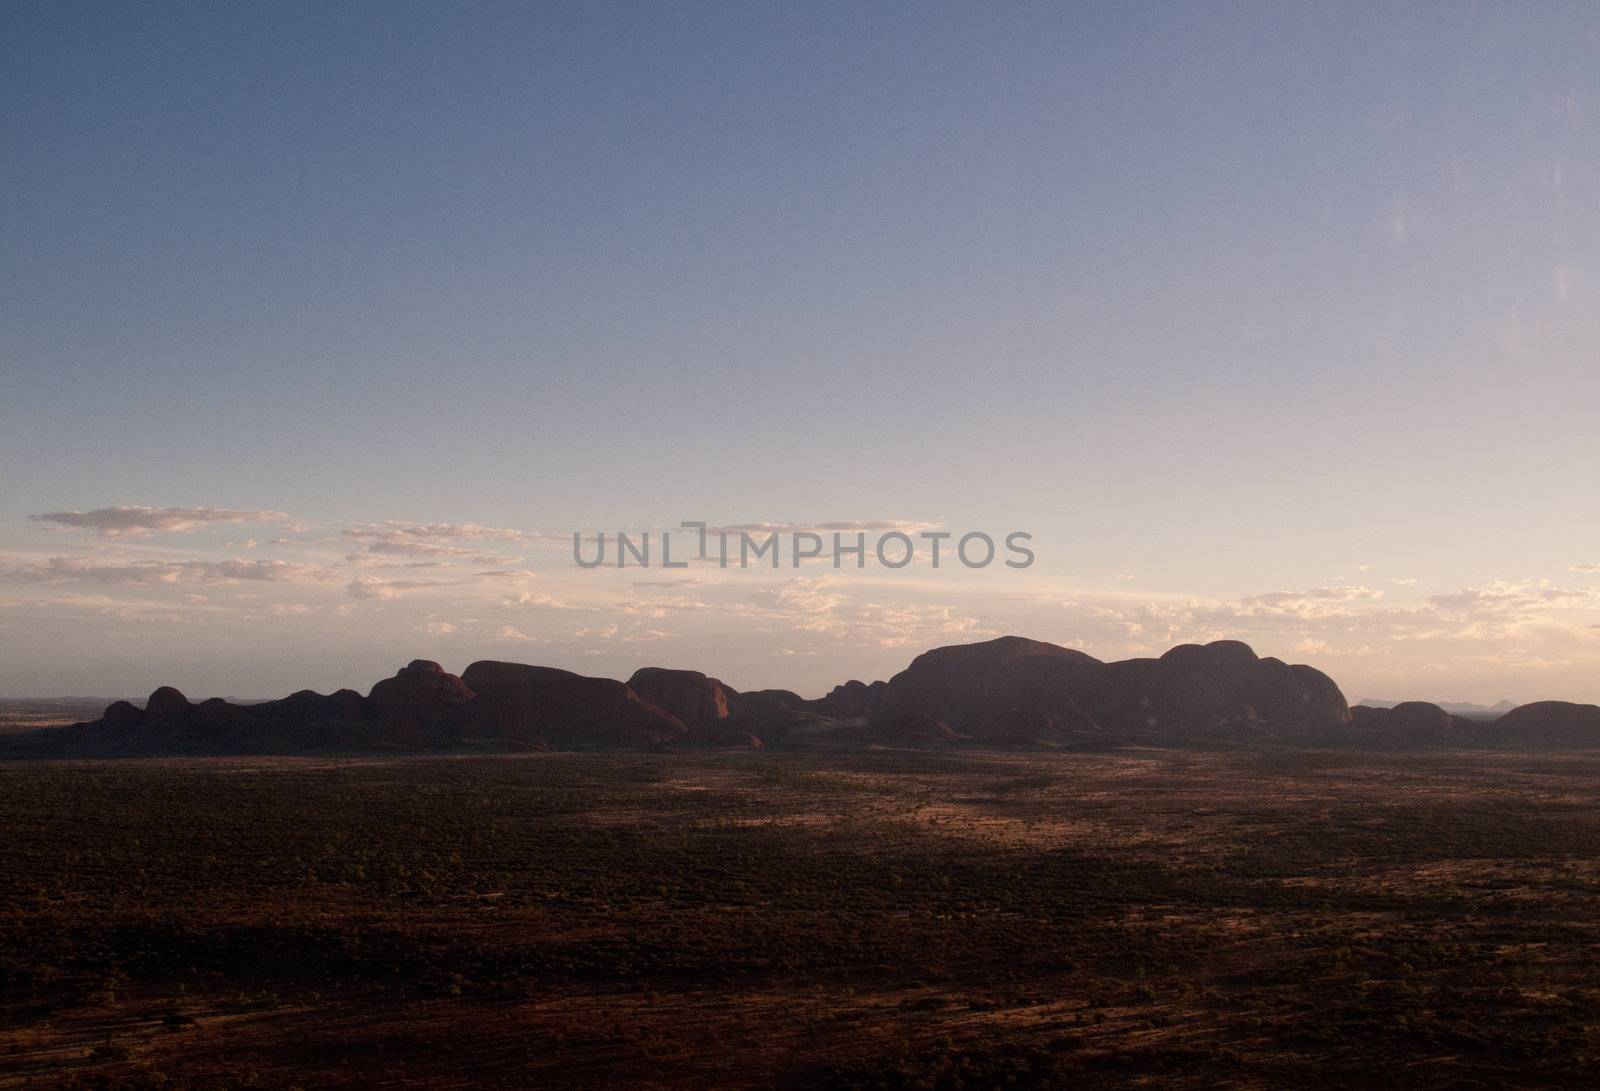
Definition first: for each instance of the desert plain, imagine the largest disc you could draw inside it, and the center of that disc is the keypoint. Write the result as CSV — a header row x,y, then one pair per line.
x,y
1178,917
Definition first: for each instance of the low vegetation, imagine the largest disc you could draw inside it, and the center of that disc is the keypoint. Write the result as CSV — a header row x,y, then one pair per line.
x,y
866,920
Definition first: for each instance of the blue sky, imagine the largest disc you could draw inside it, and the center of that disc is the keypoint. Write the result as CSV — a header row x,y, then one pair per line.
x,y
1234,300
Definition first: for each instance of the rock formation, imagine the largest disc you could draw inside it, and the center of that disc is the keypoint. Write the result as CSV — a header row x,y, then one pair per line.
x,y
1197,687
419,685
169,707
854,700
1410,722
1549,723
689,695
977,689
1005,692
561,709
421,705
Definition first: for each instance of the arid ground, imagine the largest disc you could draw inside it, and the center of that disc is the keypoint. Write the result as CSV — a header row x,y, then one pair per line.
x,y
18,716
746,919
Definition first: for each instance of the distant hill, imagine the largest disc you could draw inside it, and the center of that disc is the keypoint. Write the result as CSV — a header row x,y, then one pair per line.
x,y
1455,708
1008,692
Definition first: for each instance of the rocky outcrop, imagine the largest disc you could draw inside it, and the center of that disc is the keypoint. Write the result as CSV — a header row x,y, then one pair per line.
x,y
977,689
689,695
169,707
421,706
729,733
909,729
1421,718
1017,690
1549,723
1065,724
1003,692
562,709
214,714
1407,723
854,700
1197,687
774,699
714,713
341,706
122,714
418,686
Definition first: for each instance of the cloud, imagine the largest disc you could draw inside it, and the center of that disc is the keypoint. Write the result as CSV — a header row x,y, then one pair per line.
x,y
842,526
390,551
370,587
394,530
438,628
376,587
1502,598
439,541
1586,568
823,604
641,636
511,633
537,601
659,608
1532,619
132,521
90,570
1317,602
804,598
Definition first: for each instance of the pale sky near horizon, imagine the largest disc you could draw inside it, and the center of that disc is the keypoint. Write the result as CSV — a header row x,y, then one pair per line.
x,y
1276,322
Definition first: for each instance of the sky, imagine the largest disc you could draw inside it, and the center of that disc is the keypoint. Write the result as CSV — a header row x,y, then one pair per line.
x,y
324,327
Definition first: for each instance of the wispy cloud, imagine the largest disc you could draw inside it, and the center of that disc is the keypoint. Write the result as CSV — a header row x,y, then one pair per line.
x,y
131,521
516,636
536,600
376,587
91,570
826,605
392,542
841,526
398,531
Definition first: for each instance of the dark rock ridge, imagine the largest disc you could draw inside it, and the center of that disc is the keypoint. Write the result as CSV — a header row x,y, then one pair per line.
x,y
421,706
167,706
689,695
1013,688
420,684
1004,692
1006,688
1214,688
855,700
1412,722
549,707
1551,723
